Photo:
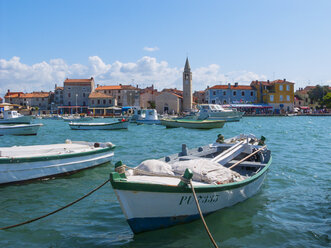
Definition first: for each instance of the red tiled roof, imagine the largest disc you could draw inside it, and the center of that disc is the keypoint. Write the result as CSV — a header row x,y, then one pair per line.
x,y
99,95
116,87
13,94
35,94
269,83
78,80
59,88
239,87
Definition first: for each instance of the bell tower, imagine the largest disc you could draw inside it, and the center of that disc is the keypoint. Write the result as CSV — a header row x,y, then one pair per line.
x,y
187,87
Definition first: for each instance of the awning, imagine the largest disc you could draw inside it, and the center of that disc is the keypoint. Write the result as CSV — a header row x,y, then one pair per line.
x,y
304,107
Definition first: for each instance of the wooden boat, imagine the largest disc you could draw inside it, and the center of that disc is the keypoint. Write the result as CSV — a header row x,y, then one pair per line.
x,y
99,126
21,129
13,117
24,163
154,194
191,123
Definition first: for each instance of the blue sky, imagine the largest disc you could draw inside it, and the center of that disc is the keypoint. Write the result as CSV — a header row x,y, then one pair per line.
x,y
145,42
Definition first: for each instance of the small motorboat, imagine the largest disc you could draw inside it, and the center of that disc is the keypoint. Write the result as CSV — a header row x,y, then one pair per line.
x,y
148,116
123,124
13,117
218,112
21,129
191,123
158,194
25,163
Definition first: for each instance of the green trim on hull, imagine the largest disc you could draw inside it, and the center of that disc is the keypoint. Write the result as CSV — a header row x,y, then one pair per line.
x,y
53,157
122,184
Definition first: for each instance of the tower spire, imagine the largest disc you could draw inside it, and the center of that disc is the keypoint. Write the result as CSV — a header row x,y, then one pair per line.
x,y
187,65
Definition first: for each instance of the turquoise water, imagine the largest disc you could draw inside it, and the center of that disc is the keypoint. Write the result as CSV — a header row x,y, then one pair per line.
x,y
291,210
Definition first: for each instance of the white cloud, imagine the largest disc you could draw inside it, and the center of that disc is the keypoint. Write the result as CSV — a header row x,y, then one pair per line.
x,y
17,76
151,49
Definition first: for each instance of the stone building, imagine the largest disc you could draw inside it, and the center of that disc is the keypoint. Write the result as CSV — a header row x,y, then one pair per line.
x,y
75,94
13,97
200,96
227,94
101,103
125,95
147,97
169,102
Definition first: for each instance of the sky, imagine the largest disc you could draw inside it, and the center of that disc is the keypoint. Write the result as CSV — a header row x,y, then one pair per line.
x,y
146,42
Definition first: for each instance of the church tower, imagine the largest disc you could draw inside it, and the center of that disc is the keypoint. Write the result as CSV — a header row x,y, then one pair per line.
x,y
187,87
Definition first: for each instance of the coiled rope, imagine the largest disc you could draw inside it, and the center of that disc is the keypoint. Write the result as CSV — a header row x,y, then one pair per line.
x,y
68,205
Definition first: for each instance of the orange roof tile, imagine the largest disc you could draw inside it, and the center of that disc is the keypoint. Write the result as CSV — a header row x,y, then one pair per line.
x,y
78,80
239,87
116,87
98,95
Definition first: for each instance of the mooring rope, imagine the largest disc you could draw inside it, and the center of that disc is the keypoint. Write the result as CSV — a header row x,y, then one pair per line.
x,y
201,215
53,212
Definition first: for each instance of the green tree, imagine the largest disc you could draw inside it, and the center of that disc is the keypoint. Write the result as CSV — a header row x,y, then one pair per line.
x,y
327,100
317,94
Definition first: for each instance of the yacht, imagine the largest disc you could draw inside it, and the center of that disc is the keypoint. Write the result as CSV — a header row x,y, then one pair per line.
x,y
217,112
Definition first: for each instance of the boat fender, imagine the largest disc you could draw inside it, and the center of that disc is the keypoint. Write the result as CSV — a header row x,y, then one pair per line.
x,y
220,139
68,141
120,167
109,144
200,149
261,141
167,159
184,150
185,179
96,144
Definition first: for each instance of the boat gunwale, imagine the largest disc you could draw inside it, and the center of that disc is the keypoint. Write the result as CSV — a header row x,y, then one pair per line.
x,y
12,160
101,124
119,183
193,121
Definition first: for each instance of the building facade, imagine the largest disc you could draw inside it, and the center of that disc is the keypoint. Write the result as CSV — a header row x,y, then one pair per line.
x,y
147,97
101,104
76,92
228,94
40,100
187,87
278,93
199,97
125,95
168,103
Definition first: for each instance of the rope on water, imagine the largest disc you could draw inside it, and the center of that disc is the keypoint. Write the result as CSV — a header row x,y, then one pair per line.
x,y
68,205
201,215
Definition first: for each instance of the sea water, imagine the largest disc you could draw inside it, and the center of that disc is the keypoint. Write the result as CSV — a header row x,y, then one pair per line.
x,y
292,209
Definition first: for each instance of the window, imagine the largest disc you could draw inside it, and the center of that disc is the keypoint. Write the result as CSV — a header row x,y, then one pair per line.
x,y
271,98
68,94
92,101
281,98
214,92
243,93
83,94
98,101
109,101
84,104
234,93
119,97
105,91
252,93
288,98
69,103
287,87
213,101
42,99
104,101
119,91
224,102
224,93
280,87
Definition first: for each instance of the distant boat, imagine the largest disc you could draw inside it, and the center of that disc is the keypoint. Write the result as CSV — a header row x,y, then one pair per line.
x,y
158,194
21,129
99,126
217,112
13,117
148,116
23,163
191,123
77,118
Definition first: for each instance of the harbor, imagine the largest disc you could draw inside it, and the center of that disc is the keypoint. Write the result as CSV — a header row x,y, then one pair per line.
x,y
291,207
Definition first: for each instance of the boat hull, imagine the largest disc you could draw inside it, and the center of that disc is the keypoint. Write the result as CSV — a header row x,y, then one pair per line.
x,y
23,129
99,126
26,169
159,206
149,122
18,120
195,124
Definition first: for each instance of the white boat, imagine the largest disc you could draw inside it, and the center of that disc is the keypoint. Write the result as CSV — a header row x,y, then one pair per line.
x,y
99,126
217,112
24,163
77,118
148,116
13,117
154,194
21,129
